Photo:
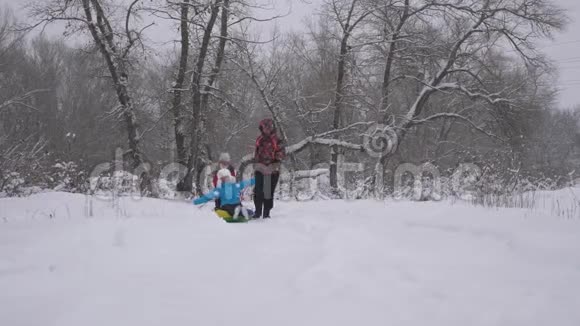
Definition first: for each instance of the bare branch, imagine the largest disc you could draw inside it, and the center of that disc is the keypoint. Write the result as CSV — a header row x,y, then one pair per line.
x,y
21,98
458,117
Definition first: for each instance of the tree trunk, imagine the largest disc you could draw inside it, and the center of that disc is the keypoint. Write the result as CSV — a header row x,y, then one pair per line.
x,y
197,130
338,99
443,136
386,93
347,28
219,59
220,54
176,105
103,37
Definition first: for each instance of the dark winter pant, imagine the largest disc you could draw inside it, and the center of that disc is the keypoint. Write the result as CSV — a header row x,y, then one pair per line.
x,y
264,192
231,208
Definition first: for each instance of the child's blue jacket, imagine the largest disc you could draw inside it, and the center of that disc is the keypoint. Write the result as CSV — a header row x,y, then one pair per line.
x,y
228,193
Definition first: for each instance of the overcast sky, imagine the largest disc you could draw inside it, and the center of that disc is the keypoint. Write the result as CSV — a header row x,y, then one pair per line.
x,y
564,49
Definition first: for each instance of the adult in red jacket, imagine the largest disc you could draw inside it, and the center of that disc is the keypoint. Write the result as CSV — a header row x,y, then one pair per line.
x,y
267,159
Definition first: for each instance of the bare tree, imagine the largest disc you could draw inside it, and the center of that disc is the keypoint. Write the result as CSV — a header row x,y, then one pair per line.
x,y
455,80
179,85
491,23
452,62
348,14
115,46
194,159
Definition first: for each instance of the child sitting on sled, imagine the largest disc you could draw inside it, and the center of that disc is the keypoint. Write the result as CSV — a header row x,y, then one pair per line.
x,y
229,194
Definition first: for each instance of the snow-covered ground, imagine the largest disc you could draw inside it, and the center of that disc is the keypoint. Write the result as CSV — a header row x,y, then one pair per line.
x,y
159,262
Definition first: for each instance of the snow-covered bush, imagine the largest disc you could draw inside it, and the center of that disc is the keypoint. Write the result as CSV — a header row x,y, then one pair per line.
x,y
66,176
423,188
166,188
10,184
303,185
119,182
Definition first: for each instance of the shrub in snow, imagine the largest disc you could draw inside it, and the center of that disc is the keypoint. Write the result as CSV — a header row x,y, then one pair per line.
x,y
66,176
166,188
119,182
10,184
423,188
303,185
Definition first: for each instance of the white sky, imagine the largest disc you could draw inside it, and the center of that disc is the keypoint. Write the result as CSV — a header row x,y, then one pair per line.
x,y
564,50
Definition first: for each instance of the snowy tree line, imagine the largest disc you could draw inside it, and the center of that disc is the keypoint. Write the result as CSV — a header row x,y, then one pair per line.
x,y
448,81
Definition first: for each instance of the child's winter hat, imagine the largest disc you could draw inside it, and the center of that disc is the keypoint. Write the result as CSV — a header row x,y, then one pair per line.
x,y
224,173
224,157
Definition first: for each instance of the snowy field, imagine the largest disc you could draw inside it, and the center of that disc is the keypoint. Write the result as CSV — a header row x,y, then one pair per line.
x,y
158,262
